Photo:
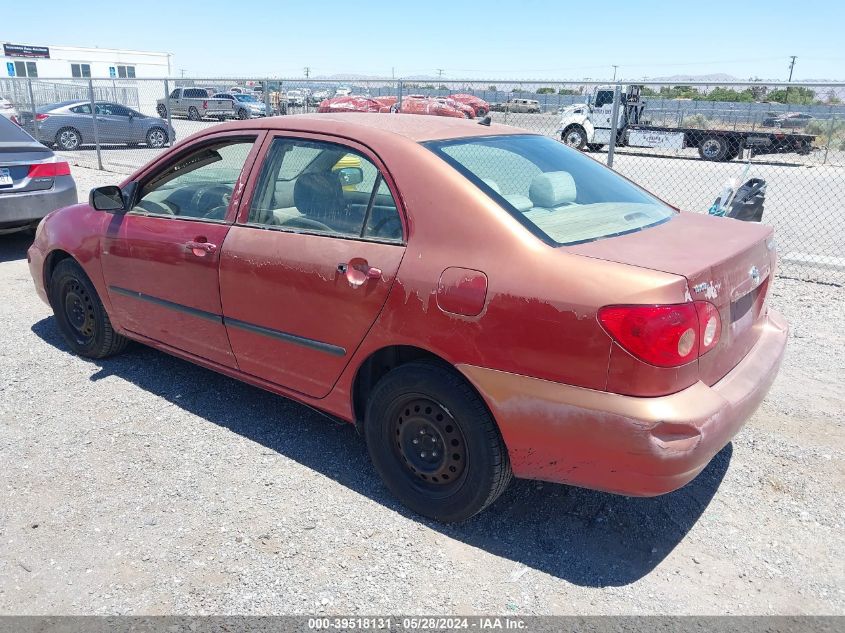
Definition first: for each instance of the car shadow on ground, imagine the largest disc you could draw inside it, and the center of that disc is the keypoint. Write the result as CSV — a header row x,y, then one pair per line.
x,y
13,246
585,537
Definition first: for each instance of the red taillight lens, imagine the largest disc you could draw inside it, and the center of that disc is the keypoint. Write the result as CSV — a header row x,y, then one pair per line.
x,y
205,105
664,335
41,117
49,170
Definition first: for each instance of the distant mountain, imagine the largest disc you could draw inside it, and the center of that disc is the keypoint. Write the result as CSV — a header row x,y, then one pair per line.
x,y
713,77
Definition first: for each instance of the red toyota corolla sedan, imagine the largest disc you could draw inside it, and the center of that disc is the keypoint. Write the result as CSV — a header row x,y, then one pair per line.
x,y
479,301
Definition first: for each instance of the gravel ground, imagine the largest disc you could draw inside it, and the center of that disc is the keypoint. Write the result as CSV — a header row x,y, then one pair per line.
x,y
146,485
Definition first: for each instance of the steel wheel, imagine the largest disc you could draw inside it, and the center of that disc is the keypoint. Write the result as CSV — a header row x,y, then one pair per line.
x,y
434,443
429,443
68,139
575,136
193,114
78,306
713,148
80,315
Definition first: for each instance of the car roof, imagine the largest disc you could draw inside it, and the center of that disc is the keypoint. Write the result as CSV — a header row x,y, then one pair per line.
x,y
362,126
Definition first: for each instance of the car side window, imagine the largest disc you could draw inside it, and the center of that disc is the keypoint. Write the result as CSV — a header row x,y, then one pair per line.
x,y
174,94
320,187
85,108
197,186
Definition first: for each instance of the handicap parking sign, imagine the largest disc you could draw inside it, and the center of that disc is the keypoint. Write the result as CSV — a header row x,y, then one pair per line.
x,y
10,68
112,72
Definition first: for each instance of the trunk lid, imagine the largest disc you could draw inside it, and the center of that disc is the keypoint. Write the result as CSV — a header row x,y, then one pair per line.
x,y
724,261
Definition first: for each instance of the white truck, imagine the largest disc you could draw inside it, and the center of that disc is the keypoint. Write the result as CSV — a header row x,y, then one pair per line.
x,y
588,125
195,103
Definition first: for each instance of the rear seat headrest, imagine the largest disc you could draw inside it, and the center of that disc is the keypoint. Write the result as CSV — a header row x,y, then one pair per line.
x,y
552,188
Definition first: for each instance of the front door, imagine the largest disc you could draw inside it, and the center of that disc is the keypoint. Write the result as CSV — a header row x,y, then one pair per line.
x,y
160,260
115,125
308,267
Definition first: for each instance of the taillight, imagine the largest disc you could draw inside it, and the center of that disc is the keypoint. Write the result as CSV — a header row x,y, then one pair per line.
x,y
710,325
205,105
41,117
664,335
49,170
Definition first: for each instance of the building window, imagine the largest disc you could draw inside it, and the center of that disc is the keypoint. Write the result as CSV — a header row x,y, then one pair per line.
x,y
80,70
26,69
126,72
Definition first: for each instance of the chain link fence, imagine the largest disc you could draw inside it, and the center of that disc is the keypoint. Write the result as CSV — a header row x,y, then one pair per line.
x,y
682,142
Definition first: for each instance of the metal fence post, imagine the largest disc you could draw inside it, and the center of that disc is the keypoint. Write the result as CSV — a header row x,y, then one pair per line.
x,y
32,104
267,111
614,124
167,110
399,86
829,136
94,119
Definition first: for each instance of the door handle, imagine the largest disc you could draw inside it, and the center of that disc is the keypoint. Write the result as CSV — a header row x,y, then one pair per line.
x,y
200,249
357,271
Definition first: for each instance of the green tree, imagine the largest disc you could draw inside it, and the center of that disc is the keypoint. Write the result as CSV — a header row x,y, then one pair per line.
x,y
545,91
790,94
568,91
492,89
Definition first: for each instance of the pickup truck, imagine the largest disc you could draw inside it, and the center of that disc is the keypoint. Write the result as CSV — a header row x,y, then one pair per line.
x,y
196,104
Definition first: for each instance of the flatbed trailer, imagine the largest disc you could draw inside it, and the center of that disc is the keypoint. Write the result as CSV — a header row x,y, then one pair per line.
x,y
588,125
716,144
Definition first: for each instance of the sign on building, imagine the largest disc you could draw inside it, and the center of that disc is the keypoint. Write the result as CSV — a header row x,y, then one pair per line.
x,y
24,50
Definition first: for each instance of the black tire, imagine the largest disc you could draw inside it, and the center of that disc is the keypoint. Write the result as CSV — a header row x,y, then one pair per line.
x,y
156,138
80,315
162,111
714,147
243,114
462,466
574,136
68,139
194,114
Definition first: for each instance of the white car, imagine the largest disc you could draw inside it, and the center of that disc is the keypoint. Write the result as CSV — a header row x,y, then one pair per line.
x,y
8,110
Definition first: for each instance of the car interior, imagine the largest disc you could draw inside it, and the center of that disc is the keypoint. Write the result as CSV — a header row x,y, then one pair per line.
x,y
325,188
314,187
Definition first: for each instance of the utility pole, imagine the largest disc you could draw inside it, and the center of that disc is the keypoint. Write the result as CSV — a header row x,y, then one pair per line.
x,y
791,66
614,71
182,72
307,71
439,74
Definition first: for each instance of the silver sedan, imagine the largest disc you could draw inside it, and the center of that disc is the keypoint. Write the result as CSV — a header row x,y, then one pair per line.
x,y
69,125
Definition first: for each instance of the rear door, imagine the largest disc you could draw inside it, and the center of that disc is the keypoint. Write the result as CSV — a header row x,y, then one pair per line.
x,y
160,260
308,266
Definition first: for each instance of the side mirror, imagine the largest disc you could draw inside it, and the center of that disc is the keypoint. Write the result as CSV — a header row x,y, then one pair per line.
x,y
109,198
350,176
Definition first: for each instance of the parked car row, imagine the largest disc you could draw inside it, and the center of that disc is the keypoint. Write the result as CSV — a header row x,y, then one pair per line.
x,y
458,106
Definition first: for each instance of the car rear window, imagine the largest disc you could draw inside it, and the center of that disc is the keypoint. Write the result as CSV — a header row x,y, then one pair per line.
x,y
559,194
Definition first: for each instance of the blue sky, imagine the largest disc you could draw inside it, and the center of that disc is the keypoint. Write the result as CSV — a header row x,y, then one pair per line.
x,y
519,39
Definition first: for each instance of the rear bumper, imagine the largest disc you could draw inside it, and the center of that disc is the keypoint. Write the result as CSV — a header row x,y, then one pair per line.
x,y
27,207
624,444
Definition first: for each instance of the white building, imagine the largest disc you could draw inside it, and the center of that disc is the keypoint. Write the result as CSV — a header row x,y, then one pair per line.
x,y
38,60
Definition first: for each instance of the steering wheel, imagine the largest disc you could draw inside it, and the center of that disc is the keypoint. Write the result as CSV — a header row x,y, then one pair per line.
x,y
209,199
306,223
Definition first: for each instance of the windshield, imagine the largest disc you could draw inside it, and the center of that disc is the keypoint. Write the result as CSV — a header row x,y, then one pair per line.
x,y
245,98
559,194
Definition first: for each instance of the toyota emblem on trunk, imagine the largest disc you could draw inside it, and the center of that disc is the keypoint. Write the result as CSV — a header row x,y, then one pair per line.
x,y
755,275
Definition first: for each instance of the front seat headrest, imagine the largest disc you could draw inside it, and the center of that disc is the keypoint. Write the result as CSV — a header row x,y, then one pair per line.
x,y
552,189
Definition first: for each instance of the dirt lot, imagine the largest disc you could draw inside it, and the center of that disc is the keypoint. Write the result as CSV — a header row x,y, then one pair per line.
x,y
144,485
